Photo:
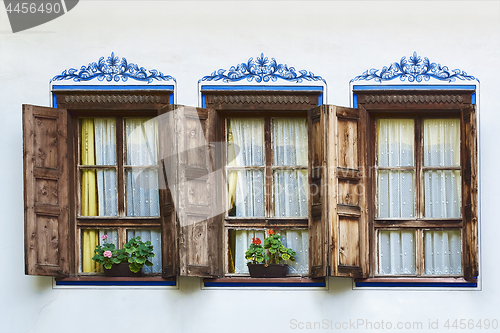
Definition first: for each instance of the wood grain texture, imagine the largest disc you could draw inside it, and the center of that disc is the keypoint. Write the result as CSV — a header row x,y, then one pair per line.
x,y
46,211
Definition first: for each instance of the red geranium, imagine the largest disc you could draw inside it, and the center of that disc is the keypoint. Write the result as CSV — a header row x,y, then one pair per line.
x,y
270,232
256,241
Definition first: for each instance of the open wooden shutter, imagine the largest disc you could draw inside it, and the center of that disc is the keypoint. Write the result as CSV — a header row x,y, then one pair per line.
x,y
319,220
169,234
46,191
469,193
349,206
199,192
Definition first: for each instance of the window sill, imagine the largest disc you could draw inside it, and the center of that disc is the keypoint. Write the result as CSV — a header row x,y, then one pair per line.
x,y
146,281
433,282
244,282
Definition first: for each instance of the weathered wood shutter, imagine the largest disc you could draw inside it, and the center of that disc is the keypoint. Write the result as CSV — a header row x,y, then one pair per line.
x,y
469,193
319,222
348,178
46,191
199,193
338,225
168,217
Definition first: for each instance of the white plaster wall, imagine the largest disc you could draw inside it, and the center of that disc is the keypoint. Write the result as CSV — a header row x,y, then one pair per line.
x,y
188,40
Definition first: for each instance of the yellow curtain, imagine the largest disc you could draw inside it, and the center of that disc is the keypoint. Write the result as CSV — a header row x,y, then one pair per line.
x,y
232,176
90,238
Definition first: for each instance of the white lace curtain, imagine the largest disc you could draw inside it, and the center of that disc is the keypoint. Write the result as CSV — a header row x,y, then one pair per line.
x,y
396,188
396,252
290,143
105,154
442,149
141,182
246,184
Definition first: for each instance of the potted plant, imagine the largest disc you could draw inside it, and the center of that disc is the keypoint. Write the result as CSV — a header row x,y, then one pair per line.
x,y
267,261
127,261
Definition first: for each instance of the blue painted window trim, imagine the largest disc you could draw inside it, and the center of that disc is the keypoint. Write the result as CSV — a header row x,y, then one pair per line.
x,y
266,284
116,283
412,87
418,284
56,88
259,88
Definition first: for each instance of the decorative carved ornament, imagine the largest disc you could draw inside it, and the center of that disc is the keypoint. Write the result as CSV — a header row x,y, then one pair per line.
x,y
112,69
415,69
132,99
262,70
413,99
261,99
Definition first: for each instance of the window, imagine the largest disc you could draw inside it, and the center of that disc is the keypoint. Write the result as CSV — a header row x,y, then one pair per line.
x,y
267,176
421,177
92,169
118,182
418,192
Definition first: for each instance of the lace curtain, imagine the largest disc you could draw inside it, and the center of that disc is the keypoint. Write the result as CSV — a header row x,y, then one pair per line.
x,y
246,184
290,150
396,250
140,171
395,148
442,149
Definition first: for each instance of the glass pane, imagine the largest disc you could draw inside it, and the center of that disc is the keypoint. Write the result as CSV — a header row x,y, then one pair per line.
x,y
443,252
443,194
290,193
297,240
246,193
290,141
396,252
142,192
98,141
91,238
98,192
395,142
242,240
442,142
245,139
142,141
154,236
396,193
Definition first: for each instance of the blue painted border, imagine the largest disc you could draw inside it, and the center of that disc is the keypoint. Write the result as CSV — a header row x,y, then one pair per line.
x,y
411,87
259,88
56,88
414,87
265,284
113,87
115,283
416,284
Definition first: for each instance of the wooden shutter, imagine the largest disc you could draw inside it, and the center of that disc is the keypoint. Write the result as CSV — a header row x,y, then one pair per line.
x,y
46,184
319,221
199,192
168,217
469,193
349,205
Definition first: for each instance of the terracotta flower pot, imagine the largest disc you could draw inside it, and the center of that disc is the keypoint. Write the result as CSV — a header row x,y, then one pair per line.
x,y
122,270
268,271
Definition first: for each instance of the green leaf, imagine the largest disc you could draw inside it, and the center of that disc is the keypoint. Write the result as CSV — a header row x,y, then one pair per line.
x,y
149,263
131,260
107,265
140,260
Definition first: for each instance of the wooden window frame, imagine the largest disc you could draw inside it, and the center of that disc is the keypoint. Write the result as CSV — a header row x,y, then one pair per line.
x,y
263,105
421,104
117,104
